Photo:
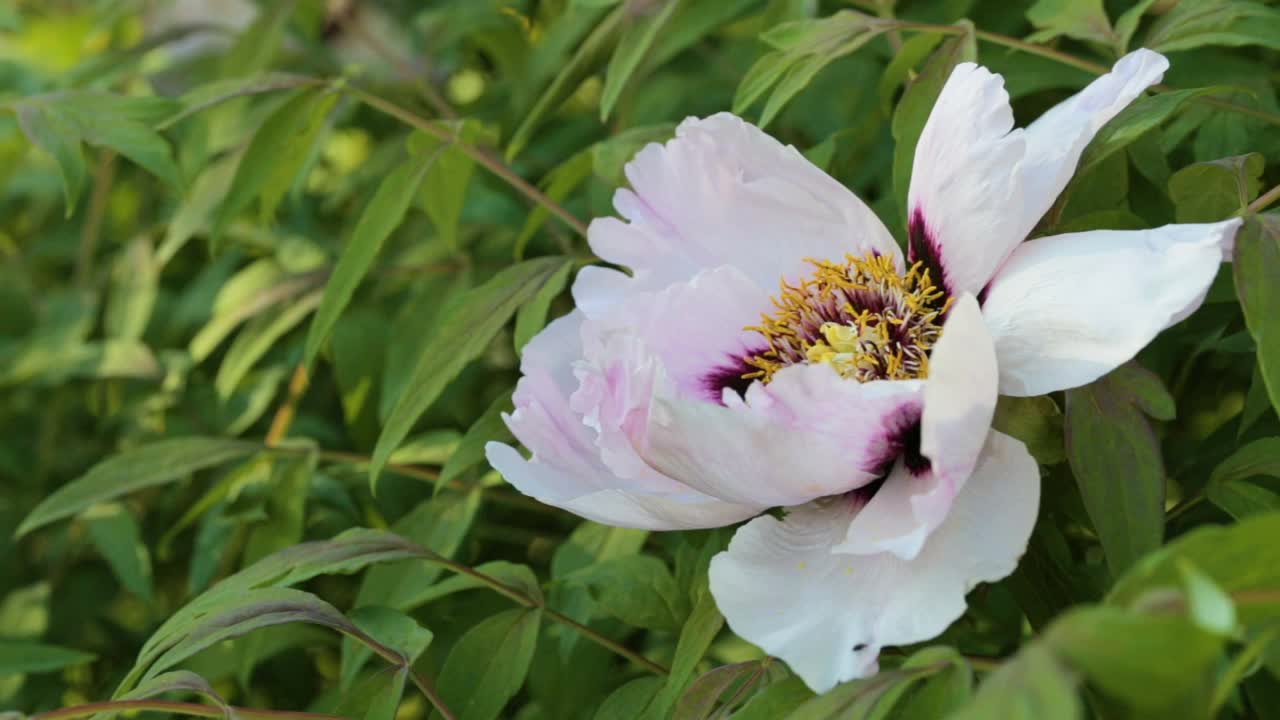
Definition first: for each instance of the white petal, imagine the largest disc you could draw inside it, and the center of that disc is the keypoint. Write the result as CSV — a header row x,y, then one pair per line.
x,y
964,191
725,193
1067,309
960,395
959,401
807,434
612,506
1056,139
695,328
568,466
781,587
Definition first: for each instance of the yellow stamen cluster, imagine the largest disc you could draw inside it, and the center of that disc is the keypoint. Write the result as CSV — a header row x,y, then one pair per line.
x,y
861,317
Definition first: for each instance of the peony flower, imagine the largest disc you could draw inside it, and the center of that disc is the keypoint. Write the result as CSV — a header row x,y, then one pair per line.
x,y
772,348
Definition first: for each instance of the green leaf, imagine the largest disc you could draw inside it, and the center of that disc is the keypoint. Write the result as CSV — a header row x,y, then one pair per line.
x,y
20,657
449,170
804,47
234,616
939,694
1230,23
699,631
629,700
532,316
401,633
383,214
285,507
256,47
1159,651
465,328
1116,459
917,102
903,64
1127,24
131,470
1260,457
1256,266
637,42
488,664
1032,686
856,700
637,589
52,131
135,279
1080,19
1215,190
700,699
217,92
274,156
585,60
257,338
1133,122
775,700
1037,422
196,210
116,534
1242,559
470,451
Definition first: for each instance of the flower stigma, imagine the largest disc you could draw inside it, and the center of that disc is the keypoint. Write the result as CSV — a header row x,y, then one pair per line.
x,y
862,317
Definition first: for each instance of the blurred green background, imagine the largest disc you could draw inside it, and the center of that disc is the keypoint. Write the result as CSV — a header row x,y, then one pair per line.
x,y
184,184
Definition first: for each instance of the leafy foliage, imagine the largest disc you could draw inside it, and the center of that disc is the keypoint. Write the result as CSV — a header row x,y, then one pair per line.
x,y
263,260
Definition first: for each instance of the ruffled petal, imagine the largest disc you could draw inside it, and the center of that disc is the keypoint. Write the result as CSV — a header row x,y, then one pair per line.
x,y
1057,138
725,193
807,434
1067,309
612,506
962,217
568,466
828,614
959,401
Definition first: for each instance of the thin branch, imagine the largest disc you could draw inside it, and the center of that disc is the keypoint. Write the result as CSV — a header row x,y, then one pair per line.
x,y
182,708
481,156
606,642
432,475
402,67
1079,63
1263,202
103,178
524,600
284,416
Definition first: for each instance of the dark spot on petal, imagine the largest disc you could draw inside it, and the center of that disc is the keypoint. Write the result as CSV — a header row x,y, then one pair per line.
x,y
861,496
859,647
923,247
916,463
728,375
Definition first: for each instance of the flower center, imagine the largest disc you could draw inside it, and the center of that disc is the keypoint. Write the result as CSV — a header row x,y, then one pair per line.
x,y
861,317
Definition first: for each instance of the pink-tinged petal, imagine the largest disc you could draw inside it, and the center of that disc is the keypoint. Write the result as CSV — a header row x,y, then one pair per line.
x,y
807,434
1067,309
964,190
581,469
959,401
828,614
695,329
1057,138
612,506
725,193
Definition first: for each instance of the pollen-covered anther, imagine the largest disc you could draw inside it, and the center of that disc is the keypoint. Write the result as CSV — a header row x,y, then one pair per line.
x,y
862,317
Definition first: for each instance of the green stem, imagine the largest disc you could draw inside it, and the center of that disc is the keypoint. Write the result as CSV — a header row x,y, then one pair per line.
x,y
181,708
524,600
481,157
1263,202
